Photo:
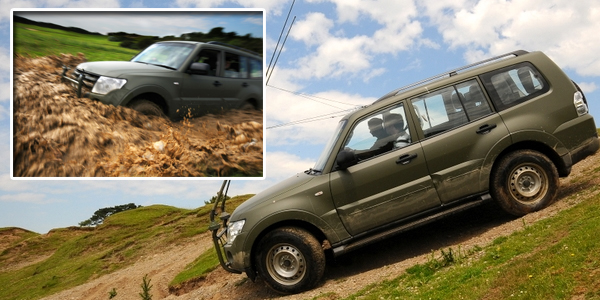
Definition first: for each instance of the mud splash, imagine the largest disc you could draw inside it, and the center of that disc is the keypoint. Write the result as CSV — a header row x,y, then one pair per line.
x,y
56,134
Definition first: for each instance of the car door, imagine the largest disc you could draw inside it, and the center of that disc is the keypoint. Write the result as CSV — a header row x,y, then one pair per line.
x,y
459,129
203,92
390,180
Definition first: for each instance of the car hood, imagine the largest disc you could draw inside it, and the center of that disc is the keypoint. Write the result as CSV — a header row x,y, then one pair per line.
x,y
120,68
276,192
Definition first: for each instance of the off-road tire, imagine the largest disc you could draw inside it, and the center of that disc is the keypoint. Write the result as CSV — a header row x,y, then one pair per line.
x,y
524,181
290,260
147,107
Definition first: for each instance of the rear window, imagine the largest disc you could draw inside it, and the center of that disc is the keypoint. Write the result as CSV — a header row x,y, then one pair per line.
x,y
513,85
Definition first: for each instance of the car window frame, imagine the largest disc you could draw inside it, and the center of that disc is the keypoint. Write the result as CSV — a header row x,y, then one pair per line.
x,y
490,88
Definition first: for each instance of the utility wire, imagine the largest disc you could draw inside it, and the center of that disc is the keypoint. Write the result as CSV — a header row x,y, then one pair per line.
x,y
280,50
313,96
280,35
332,115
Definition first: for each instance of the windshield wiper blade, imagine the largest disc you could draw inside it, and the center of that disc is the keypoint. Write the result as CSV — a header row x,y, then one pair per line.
x,y
164,66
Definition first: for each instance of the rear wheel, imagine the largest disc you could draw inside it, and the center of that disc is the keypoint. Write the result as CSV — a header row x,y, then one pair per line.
x,y
524,181
290,260
147,107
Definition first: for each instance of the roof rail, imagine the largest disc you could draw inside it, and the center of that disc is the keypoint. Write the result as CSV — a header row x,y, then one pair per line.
x,y
450,73
234,47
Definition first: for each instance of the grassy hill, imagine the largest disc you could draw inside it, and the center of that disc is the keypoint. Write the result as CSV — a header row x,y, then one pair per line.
x,y
34,265
34,41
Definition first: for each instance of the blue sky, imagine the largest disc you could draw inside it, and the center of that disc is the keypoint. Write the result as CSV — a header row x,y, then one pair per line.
x,y
339,54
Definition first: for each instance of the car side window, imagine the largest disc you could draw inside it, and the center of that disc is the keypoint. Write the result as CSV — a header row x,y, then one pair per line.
x,y
379,133
243,67
440,111
513,85
256,70
473,99
233,65
210,57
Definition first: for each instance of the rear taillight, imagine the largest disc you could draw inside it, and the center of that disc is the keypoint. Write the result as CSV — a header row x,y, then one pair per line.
x,y
579,102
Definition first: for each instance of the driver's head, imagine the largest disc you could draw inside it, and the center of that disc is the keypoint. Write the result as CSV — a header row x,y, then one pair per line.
x,y
394,123
376,127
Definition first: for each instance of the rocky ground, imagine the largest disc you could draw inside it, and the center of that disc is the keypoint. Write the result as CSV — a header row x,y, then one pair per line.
x,y
56,134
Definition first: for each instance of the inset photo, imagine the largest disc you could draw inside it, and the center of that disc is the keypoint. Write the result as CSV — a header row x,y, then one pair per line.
x,y
137,93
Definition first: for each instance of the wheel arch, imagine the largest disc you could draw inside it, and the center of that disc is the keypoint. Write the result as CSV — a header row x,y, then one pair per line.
x,y
557,160
306,222
156,94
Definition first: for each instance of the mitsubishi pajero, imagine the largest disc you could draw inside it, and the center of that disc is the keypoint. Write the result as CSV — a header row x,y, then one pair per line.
x,y
504,129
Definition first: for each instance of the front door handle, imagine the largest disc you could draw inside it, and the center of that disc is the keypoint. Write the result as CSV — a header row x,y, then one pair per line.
x,y
217,83
245,84
406,158
484,129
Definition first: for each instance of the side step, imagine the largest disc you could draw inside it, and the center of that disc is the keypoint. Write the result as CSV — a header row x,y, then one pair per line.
x,y
410,225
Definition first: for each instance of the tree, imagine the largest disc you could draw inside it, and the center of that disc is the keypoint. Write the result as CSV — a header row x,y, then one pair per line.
x,y
101,214
214,198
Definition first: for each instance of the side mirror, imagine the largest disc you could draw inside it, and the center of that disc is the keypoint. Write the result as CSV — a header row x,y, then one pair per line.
x,y
199,68
345,159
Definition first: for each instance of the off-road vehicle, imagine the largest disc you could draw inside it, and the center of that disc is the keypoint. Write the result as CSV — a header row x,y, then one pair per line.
x,y
504,129
175,79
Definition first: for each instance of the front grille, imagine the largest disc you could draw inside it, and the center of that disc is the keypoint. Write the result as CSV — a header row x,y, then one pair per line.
x,y
89,79
82,81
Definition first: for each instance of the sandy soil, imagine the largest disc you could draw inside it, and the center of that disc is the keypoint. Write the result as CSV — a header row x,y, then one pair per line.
x,y
56,134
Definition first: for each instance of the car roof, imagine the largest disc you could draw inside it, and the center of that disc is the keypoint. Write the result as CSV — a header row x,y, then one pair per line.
x,y
229,46
448,74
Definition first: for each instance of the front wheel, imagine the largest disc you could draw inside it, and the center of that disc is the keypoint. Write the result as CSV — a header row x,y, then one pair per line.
x,y
147,107
524,181
290,260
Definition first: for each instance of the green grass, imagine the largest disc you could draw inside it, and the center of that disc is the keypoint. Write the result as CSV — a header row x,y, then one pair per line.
x,y
34,41
72,256
208,261
555,258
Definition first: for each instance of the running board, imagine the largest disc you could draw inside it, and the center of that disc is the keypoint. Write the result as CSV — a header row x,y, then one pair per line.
x,y
410,225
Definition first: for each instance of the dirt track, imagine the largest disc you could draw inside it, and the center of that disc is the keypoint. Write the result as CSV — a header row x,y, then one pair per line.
x,y
350,273
56,134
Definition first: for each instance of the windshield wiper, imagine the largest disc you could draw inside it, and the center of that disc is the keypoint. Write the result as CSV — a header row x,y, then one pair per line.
x,y
164,66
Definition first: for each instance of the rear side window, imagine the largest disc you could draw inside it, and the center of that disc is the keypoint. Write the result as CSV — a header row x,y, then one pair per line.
x,y
451,107
513,85
255,68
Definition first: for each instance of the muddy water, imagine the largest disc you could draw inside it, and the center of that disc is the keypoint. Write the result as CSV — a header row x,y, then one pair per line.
x,y
56,134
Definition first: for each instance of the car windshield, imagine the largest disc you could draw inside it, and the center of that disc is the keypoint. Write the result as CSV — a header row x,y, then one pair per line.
x,y
169,55
329,147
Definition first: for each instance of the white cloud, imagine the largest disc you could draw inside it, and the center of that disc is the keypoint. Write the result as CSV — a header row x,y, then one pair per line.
x,y
37,198
281,165
286,107
313,30
341,47
274,7
563,29
587,87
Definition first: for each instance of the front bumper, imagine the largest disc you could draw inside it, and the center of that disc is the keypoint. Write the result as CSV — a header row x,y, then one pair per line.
x,y
83,82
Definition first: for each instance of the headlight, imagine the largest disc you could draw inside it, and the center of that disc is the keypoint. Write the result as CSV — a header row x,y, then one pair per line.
x,y
234,229
107,84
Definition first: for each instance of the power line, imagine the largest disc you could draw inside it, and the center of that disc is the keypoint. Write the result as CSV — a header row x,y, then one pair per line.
x,y
280,50
279,39
311,96
332,115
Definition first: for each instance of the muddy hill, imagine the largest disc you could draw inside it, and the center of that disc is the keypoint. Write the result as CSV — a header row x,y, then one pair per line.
x,y
56,134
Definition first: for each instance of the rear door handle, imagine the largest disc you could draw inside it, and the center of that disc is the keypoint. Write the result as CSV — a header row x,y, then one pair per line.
x,y
217,83
484,129
245,84
406,158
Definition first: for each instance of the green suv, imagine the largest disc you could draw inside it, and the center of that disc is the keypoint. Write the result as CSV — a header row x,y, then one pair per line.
x,y
175,79
504,129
